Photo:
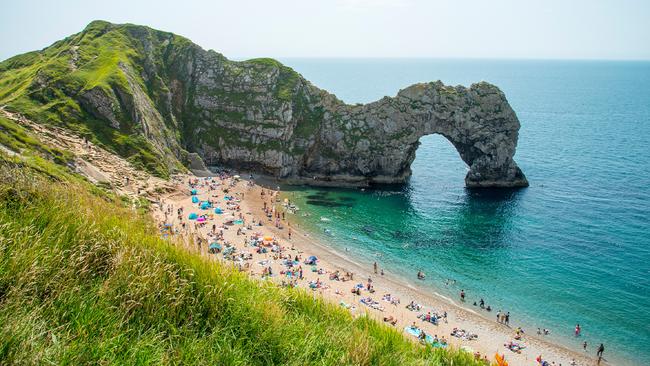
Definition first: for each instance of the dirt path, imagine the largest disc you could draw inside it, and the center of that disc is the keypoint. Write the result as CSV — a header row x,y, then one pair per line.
x,y
98,165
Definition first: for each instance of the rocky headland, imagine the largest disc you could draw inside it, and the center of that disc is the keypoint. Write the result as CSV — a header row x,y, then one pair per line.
x,y
157,99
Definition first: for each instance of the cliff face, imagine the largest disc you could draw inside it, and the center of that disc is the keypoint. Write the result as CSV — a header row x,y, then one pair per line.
x,y
262,116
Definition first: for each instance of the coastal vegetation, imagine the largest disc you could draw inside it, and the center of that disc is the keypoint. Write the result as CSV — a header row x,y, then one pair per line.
x,y
86,279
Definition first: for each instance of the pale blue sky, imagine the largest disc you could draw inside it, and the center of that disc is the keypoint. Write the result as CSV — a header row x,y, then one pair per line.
x,y
564,29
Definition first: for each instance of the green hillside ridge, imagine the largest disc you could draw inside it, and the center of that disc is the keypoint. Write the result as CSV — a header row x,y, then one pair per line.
x,y
85,279
52,86
46,87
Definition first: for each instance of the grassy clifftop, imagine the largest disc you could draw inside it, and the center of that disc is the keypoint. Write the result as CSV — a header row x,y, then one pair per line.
x,y
80,83
132,89
85,279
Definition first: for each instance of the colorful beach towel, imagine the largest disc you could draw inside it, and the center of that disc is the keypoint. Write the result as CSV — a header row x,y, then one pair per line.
x,y
429,339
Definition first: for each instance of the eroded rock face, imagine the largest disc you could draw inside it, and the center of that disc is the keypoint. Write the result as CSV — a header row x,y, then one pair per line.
x,y
377,142
261,116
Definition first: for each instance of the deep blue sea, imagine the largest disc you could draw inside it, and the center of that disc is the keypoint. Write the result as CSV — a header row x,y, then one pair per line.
x,y
572,248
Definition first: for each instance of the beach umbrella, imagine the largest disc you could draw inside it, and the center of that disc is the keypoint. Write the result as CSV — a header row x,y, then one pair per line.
x,y
313,258
214,248
268,238
194,192
205,205
201,219
192,216
195,199
218,211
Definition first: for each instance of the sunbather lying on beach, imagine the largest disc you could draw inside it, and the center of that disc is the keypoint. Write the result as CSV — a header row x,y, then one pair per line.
x,y
413,306
371,303
392,299
514,347
463,334
390,319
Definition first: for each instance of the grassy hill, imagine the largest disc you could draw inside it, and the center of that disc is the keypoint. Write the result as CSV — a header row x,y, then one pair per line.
x,y
77,83
133,90
85,279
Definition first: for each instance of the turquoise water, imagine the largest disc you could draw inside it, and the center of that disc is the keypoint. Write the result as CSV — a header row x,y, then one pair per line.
x,y
572,248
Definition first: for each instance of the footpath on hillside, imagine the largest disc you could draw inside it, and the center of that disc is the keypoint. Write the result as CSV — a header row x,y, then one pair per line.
x,y
97,164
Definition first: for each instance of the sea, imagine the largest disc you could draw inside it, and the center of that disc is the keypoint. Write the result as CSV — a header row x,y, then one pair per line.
x,y
573,248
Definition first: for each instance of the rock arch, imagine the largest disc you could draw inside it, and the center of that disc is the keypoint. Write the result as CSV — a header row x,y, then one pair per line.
x,y
376,142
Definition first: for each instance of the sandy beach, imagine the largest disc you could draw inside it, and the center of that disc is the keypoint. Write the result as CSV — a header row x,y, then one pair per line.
x,y
285,241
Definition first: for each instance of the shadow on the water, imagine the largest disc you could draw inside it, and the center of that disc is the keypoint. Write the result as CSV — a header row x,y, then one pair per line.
x,y
327,203
483,219
479,218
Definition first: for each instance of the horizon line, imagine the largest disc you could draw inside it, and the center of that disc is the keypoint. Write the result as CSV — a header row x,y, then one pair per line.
x,y
463,58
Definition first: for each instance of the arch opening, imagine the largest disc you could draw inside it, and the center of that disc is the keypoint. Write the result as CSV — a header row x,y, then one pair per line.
x,y
436,150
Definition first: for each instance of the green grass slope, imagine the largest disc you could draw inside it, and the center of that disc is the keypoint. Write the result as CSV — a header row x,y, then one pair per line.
x,y
84,279
132,90
48,86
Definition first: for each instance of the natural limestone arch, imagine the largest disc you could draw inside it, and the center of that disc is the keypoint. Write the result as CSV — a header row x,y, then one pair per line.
x,y
376,142
256,115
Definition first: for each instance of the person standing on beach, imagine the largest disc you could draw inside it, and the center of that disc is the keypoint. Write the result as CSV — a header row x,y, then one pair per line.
x,y
577,330
462,295
507,318
599,352
375,267
584,346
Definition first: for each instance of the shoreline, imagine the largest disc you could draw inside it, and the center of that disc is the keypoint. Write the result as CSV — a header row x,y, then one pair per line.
x,y
491,335
407,290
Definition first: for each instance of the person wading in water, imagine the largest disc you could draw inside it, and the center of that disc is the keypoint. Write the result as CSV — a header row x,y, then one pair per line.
x,y
600,351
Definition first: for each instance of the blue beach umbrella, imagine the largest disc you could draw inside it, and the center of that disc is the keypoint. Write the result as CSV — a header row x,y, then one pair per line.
x,y
194,192
192,216
195,199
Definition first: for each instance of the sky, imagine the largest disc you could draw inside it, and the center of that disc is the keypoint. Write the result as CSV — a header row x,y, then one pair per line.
x,y
533,29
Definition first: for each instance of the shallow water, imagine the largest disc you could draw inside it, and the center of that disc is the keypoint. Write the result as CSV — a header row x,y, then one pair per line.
x,y
572,248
